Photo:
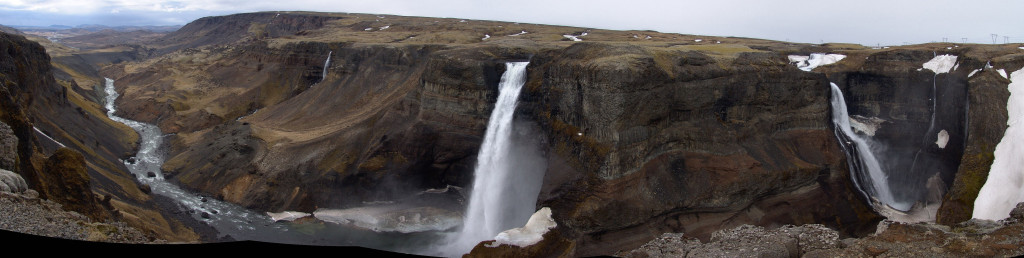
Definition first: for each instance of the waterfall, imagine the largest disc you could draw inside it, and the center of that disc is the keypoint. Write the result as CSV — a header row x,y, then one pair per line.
x,y
323,75
867,170
504,192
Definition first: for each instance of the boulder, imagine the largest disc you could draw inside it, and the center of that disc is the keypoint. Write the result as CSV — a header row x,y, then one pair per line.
x,y
11,182
66,182
1018,212
8,148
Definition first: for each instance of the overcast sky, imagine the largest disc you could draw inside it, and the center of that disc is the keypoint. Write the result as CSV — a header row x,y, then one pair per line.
x,y
868,22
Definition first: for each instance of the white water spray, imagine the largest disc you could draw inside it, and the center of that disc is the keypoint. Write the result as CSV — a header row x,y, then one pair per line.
x,y
878,185
503,195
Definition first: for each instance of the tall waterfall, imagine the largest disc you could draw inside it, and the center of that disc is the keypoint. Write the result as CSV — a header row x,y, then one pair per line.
x,y
504,194
867,170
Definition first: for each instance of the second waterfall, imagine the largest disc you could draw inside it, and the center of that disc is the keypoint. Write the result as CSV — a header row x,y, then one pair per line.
x,y
507,178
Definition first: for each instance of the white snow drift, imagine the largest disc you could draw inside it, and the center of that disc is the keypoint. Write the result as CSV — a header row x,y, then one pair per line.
x,y
941,64
808,63
1005,185
539,224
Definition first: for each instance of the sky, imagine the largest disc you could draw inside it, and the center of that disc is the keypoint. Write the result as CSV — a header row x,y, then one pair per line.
x,y
866,22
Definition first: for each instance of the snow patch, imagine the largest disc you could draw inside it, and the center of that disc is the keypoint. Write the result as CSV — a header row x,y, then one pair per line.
x,y
486,36
392,218
1004,187
808,63
517,34
1002,72
973,72
942,139
865,125
574,37
941,64
385,27
287,215
539,224
698,40
368,29
48,137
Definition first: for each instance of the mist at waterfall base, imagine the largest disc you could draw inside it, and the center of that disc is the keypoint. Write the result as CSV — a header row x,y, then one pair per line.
x,y
872,179
903,167
508,172
238,223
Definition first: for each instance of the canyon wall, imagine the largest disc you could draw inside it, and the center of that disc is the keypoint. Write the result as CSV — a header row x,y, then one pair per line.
x,y
68,150
640,138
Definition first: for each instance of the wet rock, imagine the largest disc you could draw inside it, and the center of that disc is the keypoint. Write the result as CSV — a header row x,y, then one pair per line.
x,y
150,174
204,215
1018,212
146,189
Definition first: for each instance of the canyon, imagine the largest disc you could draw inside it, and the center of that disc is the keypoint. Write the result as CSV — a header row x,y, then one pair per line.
x,y
637,133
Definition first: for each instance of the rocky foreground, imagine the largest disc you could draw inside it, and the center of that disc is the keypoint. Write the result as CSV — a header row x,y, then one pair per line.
x,y
1004,238
26,213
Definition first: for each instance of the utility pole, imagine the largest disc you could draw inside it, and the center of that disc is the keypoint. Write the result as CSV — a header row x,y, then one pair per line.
x,y
1006,39
994,38
945,40
965,40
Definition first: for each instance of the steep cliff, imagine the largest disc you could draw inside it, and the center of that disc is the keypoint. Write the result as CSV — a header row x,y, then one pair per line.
x,y
47,115
299,111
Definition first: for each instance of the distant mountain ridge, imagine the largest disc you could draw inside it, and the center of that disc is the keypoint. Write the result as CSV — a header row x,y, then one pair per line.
x,y
99,27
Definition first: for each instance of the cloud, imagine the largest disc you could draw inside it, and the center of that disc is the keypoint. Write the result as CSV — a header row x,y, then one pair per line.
x,y
866,22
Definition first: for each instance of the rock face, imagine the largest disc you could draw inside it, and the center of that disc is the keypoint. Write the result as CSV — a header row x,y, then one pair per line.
x,y
67,183
32,99
8,148
972,238
987,116
640,138
686,141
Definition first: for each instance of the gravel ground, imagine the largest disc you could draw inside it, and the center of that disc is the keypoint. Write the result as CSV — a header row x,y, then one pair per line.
x,y
24,213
